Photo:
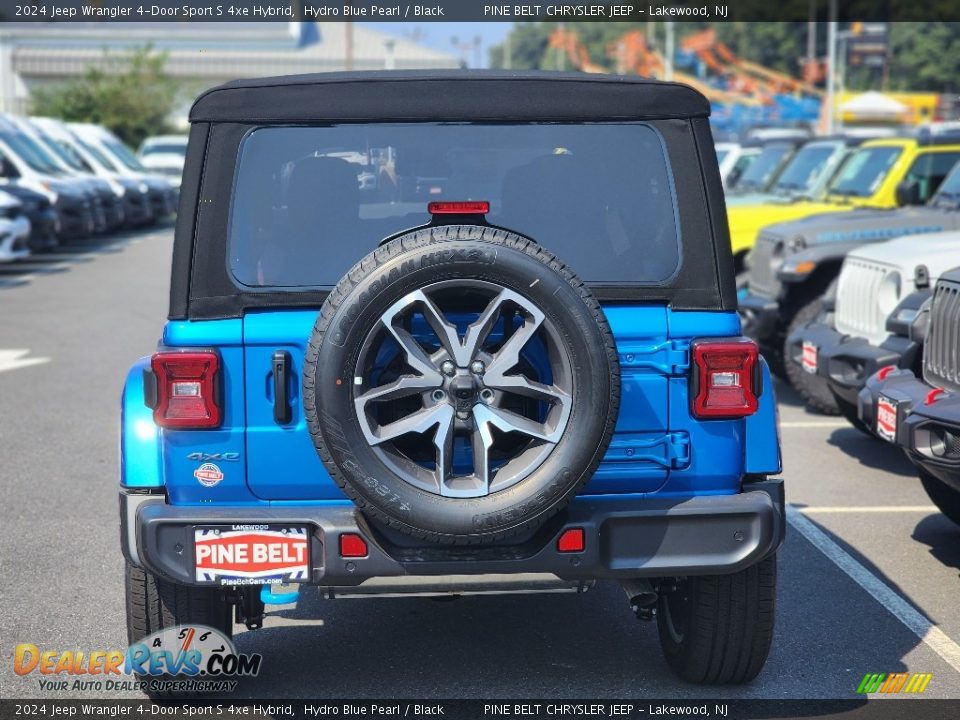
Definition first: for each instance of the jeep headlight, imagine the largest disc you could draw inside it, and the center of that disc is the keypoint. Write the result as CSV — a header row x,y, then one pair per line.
x,y
888,296
796,244
118,189
44,188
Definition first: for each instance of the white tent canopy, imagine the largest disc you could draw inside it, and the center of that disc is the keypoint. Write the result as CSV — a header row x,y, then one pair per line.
x,y
874,106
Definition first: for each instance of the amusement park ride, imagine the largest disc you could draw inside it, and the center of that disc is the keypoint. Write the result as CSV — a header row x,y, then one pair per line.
x,y
742,93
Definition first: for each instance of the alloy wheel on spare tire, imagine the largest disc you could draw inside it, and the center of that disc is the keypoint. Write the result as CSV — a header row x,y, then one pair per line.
x,y
461,384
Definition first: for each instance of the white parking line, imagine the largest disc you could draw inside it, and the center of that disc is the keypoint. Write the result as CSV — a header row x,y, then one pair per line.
x,y
869,509
815,424
16,359
932,636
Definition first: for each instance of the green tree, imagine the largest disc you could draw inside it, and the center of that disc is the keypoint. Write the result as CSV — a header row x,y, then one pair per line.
x,y
129,94
924,56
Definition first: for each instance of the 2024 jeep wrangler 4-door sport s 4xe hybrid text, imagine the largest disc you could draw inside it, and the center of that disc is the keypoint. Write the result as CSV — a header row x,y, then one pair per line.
x,y
430,328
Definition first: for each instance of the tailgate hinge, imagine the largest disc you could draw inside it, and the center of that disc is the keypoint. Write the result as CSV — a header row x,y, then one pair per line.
x,y
670,357
670,450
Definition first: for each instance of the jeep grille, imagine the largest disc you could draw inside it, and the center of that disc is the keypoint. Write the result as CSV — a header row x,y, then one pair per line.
x,y
858,300
941,354
765,260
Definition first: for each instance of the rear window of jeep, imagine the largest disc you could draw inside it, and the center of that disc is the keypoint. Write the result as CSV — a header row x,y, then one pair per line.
x,y
308,202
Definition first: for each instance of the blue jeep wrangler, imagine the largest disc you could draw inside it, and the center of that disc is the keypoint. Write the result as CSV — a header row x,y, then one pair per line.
x,y
448,332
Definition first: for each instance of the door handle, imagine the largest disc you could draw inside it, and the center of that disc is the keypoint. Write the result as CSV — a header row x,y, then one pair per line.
x,y
281,398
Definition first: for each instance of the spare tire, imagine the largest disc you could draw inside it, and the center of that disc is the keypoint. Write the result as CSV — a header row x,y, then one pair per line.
x,y
461,384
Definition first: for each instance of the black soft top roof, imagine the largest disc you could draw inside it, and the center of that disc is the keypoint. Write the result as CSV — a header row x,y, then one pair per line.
x,y
451,95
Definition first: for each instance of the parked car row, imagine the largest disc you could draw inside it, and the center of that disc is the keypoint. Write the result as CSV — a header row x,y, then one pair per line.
x,y
854,293
62,181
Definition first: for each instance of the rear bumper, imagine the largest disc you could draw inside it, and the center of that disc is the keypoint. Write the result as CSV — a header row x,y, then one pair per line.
x,y
625,538
760,315
846,361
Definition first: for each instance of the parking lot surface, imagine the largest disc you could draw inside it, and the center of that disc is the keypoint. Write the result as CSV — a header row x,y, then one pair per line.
x,y
868,574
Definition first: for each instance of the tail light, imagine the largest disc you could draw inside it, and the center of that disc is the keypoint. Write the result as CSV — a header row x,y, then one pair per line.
x,y
187,389
726,379
572,540
353,546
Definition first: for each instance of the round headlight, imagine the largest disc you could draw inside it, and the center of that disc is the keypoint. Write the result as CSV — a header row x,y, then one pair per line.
x,y
889,293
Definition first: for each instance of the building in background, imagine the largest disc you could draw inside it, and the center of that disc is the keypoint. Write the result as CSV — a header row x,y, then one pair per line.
x,y
199,55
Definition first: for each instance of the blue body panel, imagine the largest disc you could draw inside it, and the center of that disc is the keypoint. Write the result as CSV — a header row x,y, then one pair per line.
x,y
182,487
282,462
762,449
141,452
657,447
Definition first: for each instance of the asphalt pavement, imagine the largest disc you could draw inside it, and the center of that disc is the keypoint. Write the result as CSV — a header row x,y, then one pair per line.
x,y
868,573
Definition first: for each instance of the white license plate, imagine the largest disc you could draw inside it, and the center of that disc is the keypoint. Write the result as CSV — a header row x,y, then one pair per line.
x,y
887,418
251,554
808,359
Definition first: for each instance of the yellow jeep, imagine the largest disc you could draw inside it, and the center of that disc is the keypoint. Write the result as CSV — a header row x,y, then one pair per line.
x,y
881,174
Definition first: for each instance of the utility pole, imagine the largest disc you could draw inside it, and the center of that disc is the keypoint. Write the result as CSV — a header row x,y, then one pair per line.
x,y
668,53
561,53
831,66
389,54
348,60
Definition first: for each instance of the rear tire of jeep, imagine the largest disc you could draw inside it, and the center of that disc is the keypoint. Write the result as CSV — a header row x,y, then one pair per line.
x,y
718,629
943,496
546,426
153,604
812,388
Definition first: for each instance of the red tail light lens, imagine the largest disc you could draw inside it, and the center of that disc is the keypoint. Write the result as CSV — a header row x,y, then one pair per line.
x,y
572,540
461,207
187,385
353,546
725,378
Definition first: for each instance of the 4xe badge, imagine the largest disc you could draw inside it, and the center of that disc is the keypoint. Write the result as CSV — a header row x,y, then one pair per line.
x,y
208,475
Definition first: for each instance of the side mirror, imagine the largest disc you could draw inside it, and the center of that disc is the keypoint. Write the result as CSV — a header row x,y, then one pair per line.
x,y
908,193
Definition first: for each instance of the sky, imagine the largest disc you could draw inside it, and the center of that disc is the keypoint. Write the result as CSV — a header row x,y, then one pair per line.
x,y
439,36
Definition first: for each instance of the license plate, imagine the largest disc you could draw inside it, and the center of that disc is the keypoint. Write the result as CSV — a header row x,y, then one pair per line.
x,y
251,554
809,357
887,418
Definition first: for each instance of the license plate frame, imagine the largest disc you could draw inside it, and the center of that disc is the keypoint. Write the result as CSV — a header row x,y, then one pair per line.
x,y
886,422
251,554
809,357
